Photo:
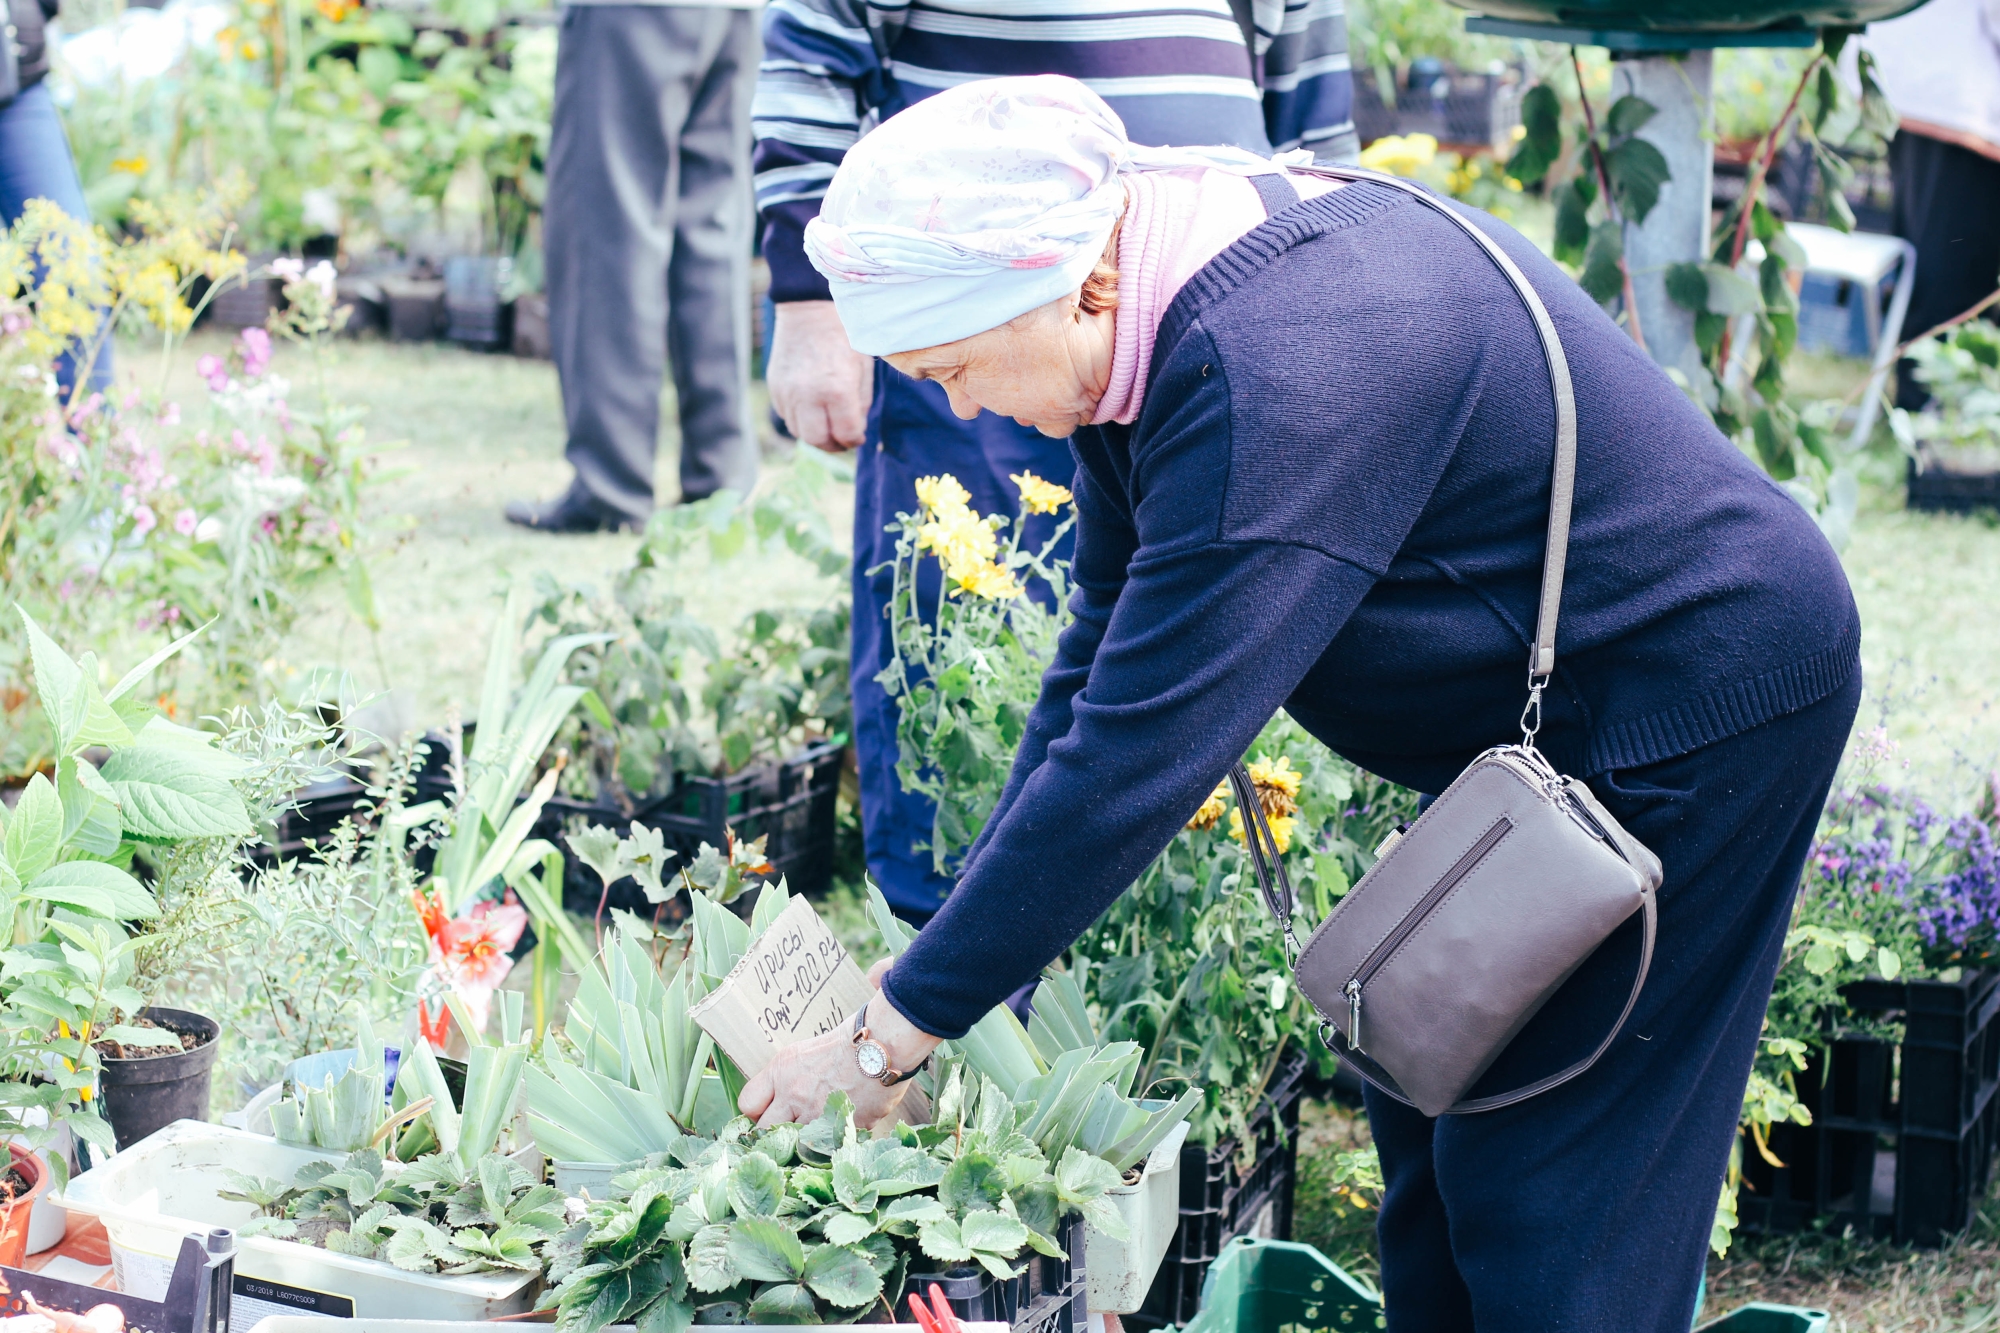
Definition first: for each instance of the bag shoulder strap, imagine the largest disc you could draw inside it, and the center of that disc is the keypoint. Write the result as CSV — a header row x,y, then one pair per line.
x,y
1272,880
1542,654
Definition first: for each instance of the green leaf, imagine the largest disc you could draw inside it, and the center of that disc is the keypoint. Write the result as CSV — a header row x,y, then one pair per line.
x,y
58,683
756,1187
94,887
1541,140
1628,113
90,807
665,1316
1687,287
843,1276
973,1181
766,1251
1082,1176
1889,964
34,834
852,1228
941,1240
1572,226
165,796
786,1303
1729,292
1637,170
1820,959
131,679
1602,277
853,1188
993,1233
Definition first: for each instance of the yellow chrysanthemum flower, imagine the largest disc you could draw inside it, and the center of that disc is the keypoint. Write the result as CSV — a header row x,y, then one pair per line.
x,y
1400,155
1281,829
1039,496
942,494
1277,784
991,582
1211,810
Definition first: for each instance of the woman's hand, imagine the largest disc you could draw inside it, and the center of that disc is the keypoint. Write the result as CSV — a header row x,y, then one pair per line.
x,y
796,1084
820,386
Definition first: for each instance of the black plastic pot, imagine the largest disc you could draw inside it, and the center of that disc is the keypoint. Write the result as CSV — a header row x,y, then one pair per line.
x,y
142,1095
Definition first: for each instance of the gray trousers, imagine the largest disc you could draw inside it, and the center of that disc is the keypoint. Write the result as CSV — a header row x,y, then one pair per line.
x,y
647,227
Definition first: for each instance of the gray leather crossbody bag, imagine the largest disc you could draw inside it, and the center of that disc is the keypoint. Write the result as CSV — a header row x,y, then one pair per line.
x,y
1474,914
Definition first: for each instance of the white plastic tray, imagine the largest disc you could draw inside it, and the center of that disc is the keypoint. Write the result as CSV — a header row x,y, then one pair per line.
x,y
1119,1273
309,1323
164,1187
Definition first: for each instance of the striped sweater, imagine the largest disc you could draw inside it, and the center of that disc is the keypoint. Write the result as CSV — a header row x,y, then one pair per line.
x,y
1175,75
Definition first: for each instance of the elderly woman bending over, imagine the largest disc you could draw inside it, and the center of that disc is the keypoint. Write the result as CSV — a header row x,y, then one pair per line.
x,y
1313,430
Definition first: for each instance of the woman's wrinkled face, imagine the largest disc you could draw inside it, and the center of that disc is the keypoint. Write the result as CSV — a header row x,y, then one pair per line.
x,y
1046,369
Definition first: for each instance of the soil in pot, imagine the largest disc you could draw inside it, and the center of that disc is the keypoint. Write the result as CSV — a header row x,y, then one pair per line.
x,y
146,1088
24,1181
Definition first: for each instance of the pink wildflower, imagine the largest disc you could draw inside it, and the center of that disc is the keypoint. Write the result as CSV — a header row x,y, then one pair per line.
x,y
170,415
256,350
13,322
288,269
144,520
212,369
265,454
186,521
86,409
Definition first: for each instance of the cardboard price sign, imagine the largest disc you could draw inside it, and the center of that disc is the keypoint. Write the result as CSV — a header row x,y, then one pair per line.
x,y
796,981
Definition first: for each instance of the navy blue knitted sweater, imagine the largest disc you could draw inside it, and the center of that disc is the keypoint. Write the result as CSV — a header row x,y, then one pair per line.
x,y
1335,500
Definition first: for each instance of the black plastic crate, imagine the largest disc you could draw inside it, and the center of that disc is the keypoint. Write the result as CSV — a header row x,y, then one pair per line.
x,y
1903,1136
789,804
1470,111
1047,1296
1953,492
1220,1203
316,811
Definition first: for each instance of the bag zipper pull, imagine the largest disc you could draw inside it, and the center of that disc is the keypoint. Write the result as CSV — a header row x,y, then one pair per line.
x,y
1353,994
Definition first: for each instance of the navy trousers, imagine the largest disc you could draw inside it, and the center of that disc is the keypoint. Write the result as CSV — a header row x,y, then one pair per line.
x,y
912,433
1588,1209
35,163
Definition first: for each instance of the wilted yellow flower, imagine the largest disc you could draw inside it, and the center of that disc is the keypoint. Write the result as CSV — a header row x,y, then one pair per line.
x,y
989,581
1281,829
1277,785
1211,810
1400,154
1038,496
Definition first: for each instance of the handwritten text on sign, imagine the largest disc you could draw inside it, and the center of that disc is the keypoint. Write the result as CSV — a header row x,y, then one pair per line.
x,y
794,982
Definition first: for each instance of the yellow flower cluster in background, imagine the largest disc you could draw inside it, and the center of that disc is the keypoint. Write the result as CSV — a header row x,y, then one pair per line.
x,y
1400,154
963,542
1280,826
1277,786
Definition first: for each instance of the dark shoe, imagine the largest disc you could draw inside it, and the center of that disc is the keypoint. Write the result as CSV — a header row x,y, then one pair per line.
x,y
575,510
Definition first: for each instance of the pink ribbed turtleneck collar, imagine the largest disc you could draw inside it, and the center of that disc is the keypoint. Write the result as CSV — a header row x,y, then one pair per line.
x,y
1175,222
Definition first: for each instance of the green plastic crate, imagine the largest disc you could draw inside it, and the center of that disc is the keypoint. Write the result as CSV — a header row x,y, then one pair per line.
x,y
1275,1286
1761,1318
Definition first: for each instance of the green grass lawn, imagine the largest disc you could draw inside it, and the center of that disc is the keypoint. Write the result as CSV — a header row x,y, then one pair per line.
x,y
477,430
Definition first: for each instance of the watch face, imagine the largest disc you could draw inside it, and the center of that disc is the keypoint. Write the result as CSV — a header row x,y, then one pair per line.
x,y
874,1061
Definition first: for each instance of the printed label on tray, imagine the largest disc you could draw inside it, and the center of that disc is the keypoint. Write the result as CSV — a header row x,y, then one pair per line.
x,y
252,1299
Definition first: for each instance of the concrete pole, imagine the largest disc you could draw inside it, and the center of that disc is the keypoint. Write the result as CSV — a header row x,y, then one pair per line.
x,y
1677,230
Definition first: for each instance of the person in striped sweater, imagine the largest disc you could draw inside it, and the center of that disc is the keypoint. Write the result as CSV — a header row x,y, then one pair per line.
x,y
1266,75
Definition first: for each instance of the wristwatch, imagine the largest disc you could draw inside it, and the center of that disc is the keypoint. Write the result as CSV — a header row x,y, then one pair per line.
x,y
873,1057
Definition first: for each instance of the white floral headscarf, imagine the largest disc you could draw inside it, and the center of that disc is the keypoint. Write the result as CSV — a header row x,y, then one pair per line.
x,y
979,204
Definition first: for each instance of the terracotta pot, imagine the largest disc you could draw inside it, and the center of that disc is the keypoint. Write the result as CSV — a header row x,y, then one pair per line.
x,y
14,1231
